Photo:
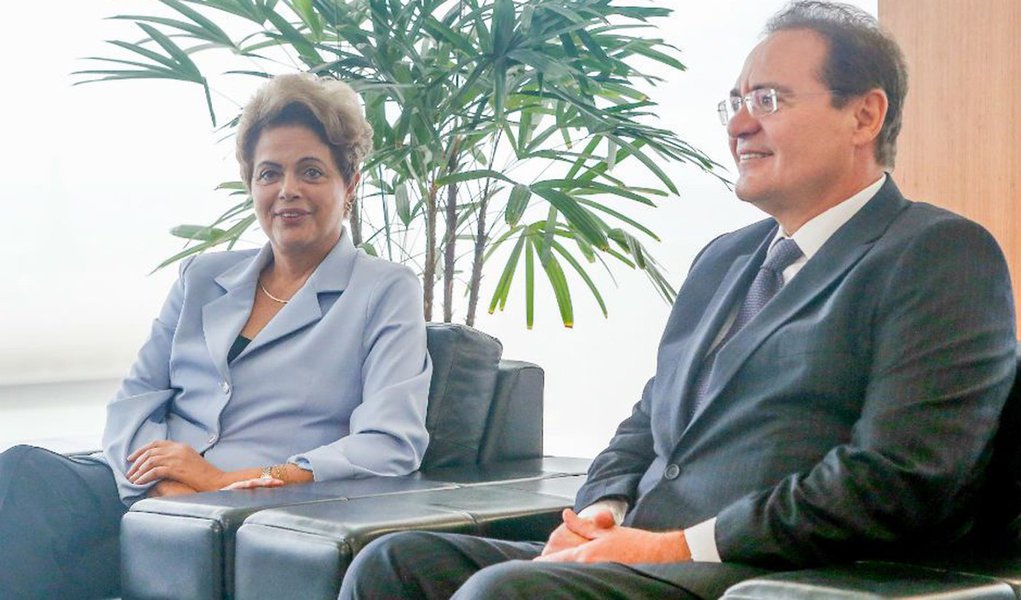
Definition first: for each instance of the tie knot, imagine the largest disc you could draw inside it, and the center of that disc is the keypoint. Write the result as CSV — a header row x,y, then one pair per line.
x,y
782,255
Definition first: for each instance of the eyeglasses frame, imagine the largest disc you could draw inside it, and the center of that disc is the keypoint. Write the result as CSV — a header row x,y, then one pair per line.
x,y
724,107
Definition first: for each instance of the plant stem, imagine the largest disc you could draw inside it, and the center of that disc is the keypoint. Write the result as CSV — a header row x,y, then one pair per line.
x,y
480,250
449,256
355,221
450,237
480,242
429,270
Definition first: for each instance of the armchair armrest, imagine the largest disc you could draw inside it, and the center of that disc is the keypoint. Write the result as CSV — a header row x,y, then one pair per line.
x,y
529,469
872,580
184,546
303,551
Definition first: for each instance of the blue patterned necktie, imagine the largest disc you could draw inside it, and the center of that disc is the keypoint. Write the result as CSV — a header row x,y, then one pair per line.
x,y
767,283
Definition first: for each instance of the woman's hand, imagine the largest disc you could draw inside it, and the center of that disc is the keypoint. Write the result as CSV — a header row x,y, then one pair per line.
x,y
169,487
164,459
255,482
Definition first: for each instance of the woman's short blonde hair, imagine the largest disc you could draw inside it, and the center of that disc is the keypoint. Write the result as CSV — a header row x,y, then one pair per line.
x,y
328,107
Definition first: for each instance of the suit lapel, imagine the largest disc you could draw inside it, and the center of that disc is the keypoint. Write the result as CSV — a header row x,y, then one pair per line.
x,y
737,279
223,318
717,278
330,277
839,254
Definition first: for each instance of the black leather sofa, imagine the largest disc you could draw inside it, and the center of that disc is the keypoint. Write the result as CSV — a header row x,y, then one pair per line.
x,y
297,542
302,551
483,472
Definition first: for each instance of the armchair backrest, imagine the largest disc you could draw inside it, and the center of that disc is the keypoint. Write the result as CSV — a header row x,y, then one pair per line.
x,y
481,409
514,426
463,381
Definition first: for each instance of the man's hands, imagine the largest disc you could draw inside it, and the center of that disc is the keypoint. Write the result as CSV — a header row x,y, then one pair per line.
x,y
565,537
166,460
600,540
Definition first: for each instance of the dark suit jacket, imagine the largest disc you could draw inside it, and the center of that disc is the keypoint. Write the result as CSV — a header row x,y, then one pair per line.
x,y
852,417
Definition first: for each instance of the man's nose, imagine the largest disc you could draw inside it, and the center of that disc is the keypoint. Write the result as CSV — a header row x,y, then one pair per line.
x,y
742,123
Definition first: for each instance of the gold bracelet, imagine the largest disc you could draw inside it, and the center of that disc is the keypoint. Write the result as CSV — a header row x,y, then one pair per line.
x,y
278,471
267,473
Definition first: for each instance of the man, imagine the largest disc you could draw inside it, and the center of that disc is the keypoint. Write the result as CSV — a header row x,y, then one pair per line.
x,y
828,383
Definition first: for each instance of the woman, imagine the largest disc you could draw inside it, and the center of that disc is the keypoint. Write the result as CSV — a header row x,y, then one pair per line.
x,y
305,360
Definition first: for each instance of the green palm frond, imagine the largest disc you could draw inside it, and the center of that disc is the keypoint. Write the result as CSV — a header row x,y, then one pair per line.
x,y
521,110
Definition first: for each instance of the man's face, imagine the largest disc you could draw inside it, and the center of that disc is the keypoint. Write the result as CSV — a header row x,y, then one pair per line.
x,y
800,157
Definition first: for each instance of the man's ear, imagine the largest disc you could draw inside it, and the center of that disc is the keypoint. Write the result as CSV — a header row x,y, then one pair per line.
x,y
869,114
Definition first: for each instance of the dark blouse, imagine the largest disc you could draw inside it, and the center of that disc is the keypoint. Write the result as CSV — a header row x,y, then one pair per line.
x,y
240,343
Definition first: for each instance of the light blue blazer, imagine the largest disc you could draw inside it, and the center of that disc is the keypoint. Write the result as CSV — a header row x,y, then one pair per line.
x,y
337,381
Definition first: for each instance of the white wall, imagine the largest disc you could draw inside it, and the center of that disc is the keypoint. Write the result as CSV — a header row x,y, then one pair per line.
x,y
97,174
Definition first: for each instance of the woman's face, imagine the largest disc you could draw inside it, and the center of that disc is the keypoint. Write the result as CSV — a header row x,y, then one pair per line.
x,y
300,195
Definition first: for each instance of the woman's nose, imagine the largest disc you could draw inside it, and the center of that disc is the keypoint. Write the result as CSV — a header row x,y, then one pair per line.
x,y
288,188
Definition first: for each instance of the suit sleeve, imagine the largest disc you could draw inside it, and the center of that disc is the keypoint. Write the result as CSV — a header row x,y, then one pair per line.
x,y
136,414
942,353
388,434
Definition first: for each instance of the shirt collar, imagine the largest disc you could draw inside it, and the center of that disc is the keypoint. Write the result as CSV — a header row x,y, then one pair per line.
x,y
812,235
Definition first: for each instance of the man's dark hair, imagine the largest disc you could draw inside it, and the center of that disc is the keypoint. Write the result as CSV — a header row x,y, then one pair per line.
x,y
861,56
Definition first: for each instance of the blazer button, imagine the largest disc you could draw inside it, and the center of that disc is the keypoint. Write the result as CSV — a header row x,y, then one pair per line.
x,y
212,439
225,387
671,472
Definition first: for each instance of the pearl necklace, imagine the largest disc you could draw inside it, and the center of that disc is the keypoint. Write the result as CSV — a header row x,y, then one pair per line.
x,y
271,296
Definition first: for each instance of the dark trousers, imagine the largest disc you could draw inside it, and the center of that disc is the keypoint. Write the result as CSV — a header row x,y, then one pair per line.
x,y
59,525
442,565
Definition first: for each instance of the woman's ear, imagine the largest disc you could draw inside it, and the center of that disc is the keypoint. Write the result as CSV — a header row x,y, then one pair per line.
x,y
349,194
351,185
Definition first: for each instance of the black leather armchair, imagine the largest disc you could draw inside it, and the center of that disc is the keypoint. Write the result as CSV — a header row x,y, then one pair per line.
x,y
987,566
485,425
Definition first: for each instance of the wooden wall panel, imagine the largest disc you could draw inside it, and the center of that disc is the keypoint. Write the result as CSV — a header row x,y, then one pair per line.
x,y
960,146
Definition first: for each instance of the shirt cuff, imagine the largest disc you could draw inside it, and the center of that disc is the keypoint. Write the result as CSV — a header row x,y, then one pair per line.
x,y
701,540
615,507
302,463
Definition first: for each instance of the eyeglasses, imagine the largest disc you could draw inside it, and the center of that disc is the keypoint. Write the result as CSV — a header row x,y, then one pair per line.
x,y
759,102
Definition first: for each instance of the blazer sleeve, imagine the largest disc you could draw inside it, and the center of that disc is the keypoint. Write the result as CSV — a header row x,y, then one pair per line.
x,y
387,430
136,414
942,363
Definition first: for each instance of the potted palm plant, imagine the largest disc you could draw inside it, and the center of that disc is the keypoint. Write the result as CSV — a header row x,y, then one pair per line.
x,y
498,126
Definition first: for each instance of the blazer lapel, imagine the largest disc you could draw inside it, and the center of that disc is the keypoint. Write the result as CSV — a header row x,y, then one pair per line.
x,y
737,279
330,277
223,318
845,248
